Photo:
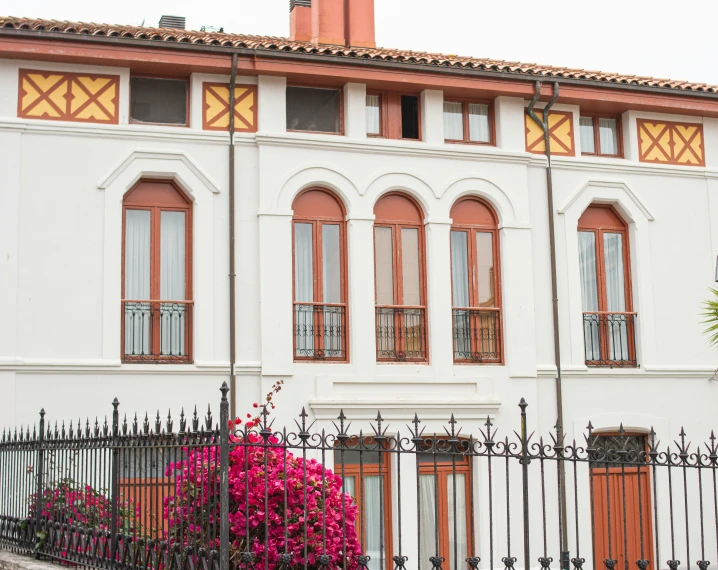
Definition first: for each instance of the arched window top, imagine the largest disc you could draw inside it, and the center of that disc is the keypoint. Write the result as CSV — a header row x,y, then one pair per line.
x,y
601,217
318,203
156,193
473,212
397,208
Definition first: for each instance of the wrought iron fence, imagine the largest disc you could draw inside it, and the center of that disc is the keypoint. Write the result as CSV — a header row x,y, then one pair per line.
x,y
401,333
610,339
477,335
320,331
196,495
157,331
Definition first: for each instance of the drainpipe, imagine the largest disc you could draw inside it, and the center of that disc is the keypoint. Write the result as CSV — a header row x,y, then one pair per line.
x,y
554,293
232,302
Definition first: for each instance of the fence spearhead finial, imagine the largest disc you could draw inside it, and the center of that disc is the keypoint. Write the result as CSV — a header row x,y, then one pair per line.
x,y
225,390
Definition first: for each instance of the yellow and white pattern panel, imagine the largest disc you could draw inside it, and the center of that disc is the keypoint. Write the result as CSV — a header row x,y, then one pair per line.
x,y
215,107
64,96
666,142
560,126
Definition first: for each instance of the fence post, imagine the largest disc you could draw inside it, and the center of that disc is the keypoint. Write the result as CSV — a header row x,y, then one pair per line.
x,y
114,477
224,479
525,476
39,480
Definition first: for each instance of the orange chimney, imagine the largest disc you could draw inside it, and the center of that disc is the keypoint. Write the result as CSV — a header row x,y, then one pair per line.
x,y
339,22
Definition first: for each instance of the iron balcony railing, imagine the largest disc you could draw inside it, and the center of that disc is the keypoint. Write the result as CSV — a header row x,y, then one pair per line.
x,y
477,335
320,331
610,339
400,333
156,331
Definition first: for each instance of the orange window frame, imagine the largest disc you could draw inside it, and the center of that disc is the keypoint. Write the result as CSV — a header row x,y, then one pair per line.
x,y
597,138
317,222
383,112
443,469
186,123
340,90
465,117
398,274
150,199
471,230
390,114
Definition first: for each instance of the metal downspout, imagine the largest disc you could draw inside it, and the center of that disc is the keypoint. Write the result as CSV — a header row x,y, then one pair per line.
x,y
554,293
232,293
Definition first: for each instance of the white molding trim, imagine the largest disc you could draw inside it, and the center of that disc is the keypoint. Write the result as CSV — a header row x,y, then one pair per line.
x,y
170,155
404,409
640,374
614,184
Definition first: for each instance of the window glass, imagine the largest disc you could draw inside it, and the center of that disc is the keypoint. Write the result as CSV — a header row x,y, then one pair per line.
x,y
372,520
373,114
303,263
459,269
331,264
453,121
427,543
409,117
384,266
158,100
485,268
172,256
608,136
587,265
137,255
457,483
312,109
615,283
587,142
479,129
348,484
410,266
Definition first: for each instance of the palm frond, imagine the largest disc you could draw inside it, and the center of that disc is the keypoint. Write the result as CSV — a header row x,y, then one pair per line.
x,y
710,314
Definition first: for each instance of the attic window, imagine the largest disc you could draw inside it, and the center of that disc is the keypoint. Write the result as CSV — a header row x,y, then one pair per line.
x,y
314,110
410,117
158,101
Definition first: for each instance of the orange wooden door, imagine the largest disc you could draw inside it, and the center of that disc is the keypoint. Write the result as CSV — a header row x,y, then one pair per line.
x,y
625,540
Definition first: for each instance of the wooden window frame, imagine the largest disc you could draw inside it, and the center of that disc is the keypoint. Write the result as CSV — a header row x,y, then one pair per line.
x,y
156,209
599,230
596,135
465,117
186,80
317,222
398,275
383,114
444,467
390,111
358,472
472,230
341,108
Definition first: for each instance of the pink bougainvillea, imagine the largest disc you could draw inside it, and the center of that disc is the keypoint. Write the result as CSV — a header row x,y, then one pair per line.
x,y
257,516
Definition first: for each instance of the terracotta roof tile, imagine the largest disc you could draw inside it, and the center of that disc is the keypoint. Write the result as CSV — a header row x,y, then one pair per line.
x,y
275,44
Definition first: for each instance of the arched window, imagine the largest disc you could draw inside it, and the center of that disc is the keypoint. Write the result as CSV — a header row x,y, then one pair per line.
x,y
608,317
475,283
156,274
320,304
400,280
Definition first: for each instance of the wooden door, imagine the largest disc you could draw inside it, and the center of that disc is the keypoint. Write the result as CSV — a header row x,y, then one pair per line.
x,y
625,540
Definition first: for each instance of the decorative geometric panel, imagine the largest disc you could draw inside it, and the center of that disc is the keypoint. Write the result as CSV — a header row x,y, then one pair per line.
x,y
215,107
560,125
62,96
671,143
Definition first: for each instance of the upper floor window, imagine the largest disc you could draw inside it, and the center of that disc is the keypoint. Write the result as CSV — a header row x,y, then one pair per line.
x,y
400,280
475,283
468,122
393,115
314,109
320,307
156,274
600,135
157,100
608,317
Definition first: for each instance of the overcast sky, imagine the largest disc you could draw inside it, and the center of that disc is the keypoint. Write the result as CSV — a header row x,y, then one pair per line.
x,y
661,38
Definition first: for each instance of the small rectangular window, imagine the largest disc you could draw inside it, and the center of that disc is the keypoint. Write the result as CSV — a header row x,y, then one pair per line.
x,y
467,122
161,101
373,115
600,136
314,109
410,117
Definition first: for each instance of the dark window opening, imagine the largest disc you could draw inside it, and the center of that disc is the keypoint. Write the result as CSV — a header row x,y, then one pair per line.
x,y
409,117
314,110
158,100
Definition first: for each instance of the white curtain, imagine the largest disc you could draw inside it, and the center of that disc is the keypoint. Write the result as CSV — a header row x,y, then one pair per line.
x,y
615,296
137,282
479,128
331,289
453,121
589,292
348,486
410,266
427,527
373,115
587,142
383,252
608,135
304,289
460,292
485,268
172,283
372,520
457,544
